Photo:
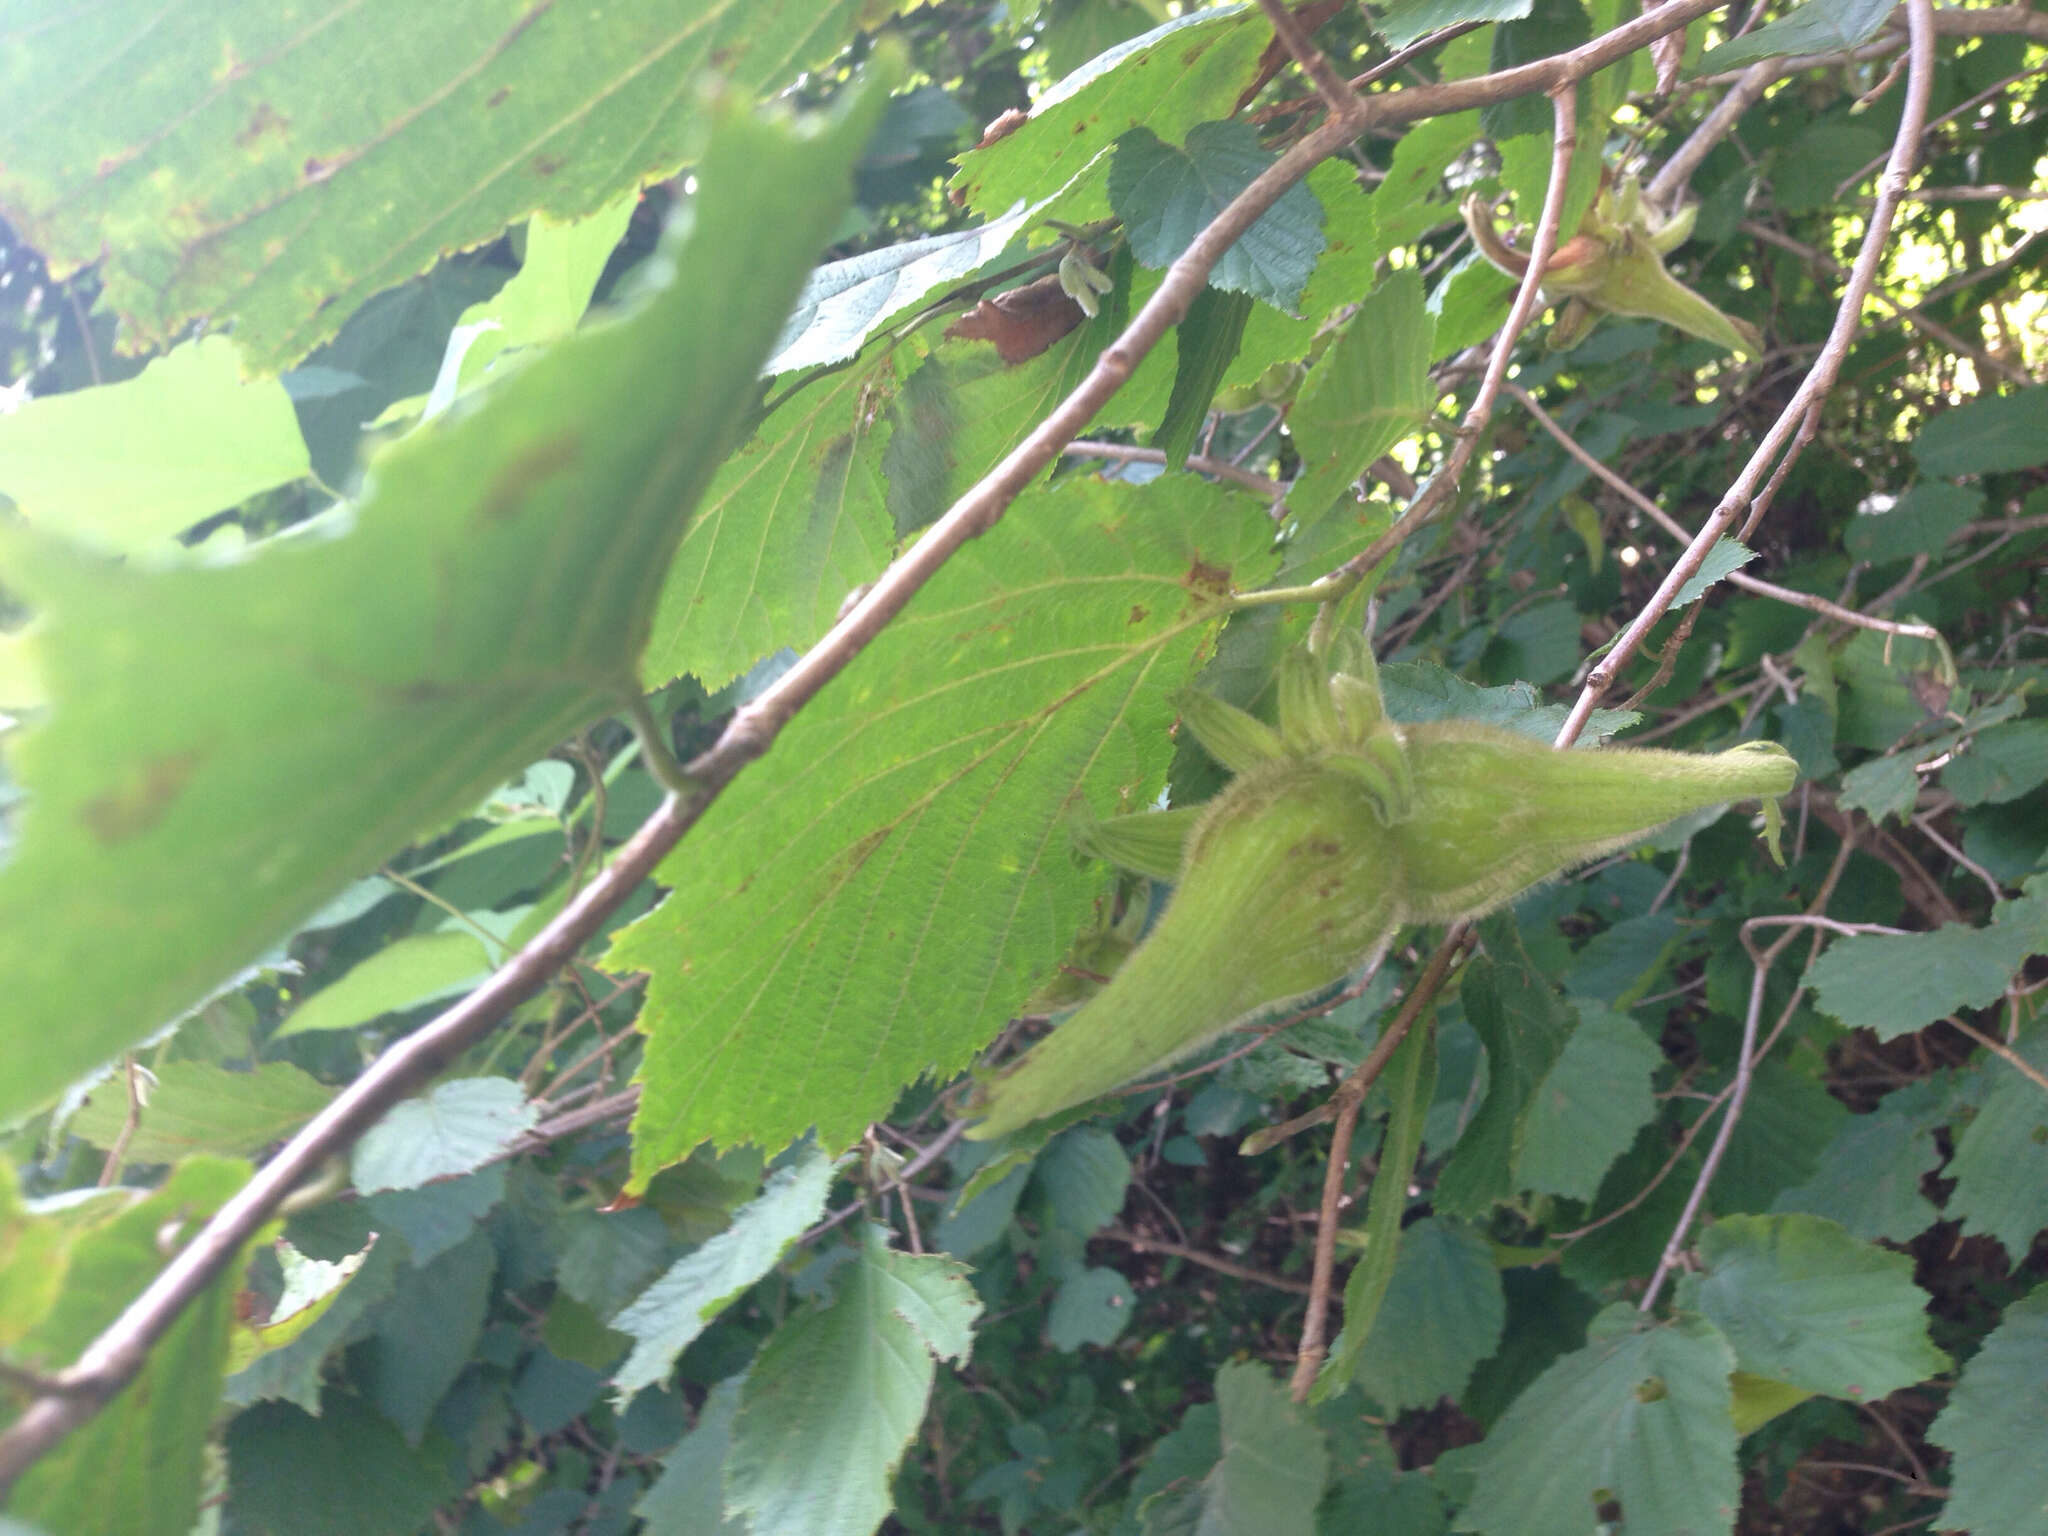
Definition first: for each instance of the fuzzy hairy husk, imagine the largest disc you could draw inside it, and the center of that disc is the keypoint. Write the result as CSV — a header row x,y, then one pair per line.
x,y
1287,883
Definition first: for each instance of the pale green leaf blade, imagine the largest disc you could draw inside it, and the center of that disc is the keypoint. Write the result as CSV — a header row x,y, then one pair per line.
x,y
1167,195
1367,392
1092,1306
1638,1418
547,296
125,466
435,1217
2001,1161
347,1472
135,1468
1868,1177
1187,71
226,746
1804,1303
1344,271
1883,787
1727,555
1443,1314
196,1107
672,1311
2003,763
1271,1473
453,1127
1987,435
208,160
1082,1178
1525,1025
1921,523
1419,692
1895,984
845,302
689,1499
401,974
1818,26
1591,1105
1405,21
425,1335
880,893
795,520
835,1395
1996,1425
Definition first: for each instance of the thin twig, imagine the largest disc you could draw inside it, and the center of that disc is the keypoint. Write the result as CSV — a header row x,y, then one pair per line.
x,y
1201,464
1199,1256
1811,602
118,1152
1335,91
1813,389
2004,1053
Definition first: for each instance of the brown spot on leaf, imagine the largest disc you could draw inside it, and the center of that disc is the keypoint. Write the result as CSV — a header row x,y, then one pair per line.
x,y
131,809
546,165
315,170
517,481
1209,580
1138,613
1022,322
499,97
266,119
1002,127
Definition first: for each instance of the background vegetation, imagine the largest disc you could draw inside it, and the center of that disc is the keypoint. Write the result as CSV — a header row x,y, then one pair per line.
x,y
572,571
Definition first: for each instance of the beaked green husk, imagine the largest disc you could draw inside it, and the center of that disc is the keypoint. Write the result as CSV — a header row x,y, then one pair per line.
x,y
1340,827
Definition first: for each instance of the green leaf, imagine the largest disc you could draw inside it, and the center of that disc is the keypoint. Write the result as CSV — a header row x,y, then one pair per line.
x,y
134,1468
435,1217
1525,1025
404,973
1987,435
792,523
1819,26
1727,555
347,1472
1209,339
426,1332
1271,1473
1411,200
294,1371
672,1311
229,745
1638,1418
688,1499
194,438
835,1395
1468,305
2003,763
1420,692
1092,1306
1344,271
1590,1106
1922,523
1082,1178
1367,392
1868,1178
1443,1314
197,1107
1895,984
1167,195
1185,72
844,302
877,896
1884,786
232,175
1410,1077
1804,1303
2001,1161
1993,1425
546,298
453,1127
1406,21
